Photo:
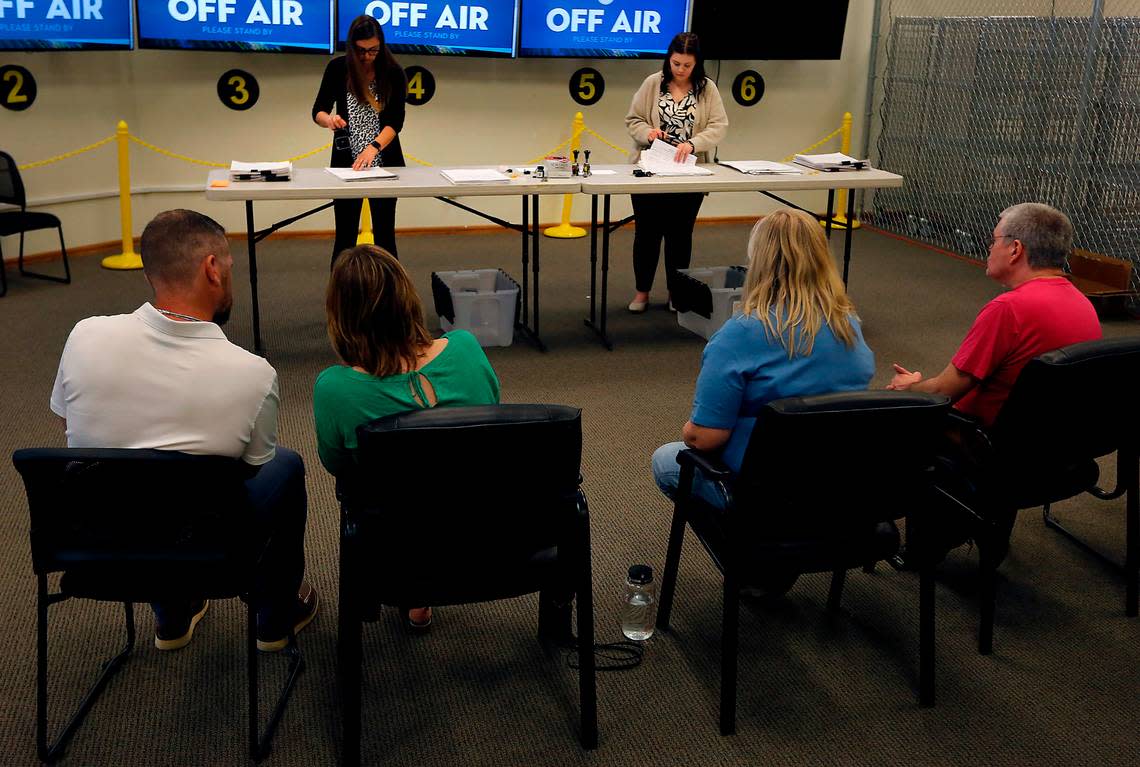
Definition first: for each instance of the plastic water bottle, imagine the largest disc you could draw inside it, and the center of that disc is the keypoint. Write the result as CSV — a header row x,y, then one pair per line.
x,y
640,608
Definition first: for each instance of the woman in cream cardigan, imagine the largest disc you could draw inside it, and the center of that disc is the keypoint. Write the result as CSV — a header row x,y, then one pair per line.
x,y
681,106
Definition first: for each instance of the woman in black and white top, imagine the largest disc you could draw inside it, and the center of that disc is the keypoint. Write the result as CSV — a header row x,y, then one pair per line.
x,y
362,95
681,106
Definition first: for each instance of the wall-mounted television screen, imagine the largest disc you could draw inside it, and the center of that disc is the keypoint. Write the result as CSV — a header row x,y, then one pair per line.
x,y
53,25
600,29
437,27
237,25
805,29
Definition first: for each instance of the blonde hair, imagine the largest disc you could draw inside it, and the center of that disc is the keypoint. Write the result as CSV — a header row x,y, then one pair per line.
x,y
375,317
792,285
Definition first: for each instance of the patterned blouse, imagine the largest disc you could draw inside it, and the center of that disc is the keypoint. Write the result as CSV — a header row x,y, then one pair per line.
x,y
677,117
363,124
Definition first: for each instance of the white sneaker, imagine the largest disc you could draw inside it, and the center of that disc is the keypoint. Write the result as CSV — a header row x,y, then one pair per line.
x,y
638,307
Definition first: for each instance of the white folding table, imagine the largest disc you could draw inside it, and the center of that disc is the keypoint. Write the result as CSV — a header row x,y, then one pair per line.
x,y
317,184
723,179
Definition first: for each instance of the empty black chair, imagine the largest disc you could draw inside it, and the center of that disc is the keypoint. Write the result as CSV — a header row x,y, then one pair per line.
x,y
822,482
504,516
20,221
1066,409
140,526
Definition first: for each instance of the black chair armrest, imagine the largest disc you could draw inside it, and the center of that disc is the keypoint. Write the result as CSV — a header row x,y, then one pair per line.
x,y
582,507
706,463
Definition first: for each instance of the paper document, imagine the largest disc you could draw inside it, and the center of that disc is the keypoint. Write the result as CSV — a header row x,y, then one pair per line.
x,y
473,175
368,174
658,160
831,162
261,171
762,167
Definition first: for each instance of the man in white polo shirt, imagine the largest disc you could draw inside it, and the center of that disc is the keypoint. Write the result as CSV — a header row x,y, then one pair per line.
x,y
166,377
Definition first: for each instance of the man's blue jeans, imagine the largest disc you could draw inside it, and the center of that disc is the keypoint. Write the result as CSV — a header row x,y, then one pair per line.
x,y
667,475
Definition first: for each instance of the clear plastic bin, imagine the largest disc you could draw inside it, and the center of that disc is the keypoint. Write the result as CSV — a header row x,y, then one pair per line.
x,y
706,297
483,301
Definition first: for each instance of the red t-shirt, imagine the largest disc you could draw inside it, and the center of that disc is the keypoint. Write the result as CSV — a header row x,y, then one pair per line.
x,y
1037,316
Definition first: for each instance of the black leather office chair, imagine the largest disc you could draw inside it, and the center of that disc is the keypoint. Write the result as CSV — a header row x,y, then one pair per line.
x,y
822,482
140,526
494,496
20,221
1066,409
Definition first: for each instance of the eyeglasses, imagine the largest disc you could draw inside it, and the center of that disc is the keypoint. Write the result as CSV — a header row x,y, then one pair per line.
x,y
366,51
995,237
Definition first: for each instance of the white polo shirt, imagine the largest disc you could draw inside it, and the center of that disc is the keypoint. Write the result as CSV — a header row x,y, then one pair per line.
x,y
143,380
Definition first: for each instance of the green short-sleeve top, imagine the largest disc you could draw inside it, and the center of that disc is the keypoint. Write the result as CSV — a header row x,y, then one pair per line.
x,y
344,398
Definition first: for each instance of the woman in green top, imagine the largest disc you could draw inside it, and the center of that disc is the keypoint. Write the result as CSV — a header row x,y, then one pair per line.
x,y
391,362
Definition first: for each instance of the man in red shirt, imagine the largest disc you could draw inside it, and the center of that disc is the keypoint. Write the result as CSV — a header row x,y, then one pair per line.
x,y
1041,312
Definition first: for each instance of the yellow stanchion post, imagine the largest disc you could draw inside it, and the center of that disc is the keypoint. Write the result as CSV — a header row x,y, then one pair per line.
x,y
564,230
840,217
365,237
127,259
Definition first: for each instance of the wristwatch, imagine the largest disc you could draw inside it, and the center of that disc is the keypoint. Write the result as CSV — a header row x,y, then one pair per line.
x,y
375,145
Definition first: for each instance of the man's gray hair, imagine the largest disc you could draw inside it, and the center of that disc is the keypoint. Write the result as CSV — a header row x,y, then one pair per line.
x,y
1046,233
174,243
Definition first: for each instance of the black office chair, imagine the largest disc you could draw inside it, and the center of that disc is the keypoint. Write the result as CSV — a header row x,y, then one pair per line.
x,y
20,221
822,482
140,526
1066,409
505,516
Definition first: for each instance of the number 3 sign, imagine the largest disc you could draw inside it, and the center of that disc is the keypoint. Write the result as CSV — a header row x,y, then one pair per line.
x,y
238,89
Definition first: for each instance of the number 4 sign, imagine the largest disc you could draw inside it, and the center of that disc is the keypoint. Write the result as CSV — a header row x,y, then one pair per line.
x,y
421,85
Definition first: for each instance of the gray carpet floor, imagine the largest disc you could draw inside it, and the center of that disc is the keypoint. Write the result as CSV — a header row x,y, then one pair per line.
x,y
1062,687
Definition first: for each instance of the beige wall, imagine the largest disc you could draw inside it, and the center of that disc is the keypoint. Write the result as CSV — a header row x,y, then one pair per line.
x,y
484,111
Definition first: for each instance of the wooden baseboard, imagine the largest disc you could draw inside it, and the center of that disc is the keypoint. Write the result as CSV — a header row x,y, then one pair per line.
x,y
104,248
925,245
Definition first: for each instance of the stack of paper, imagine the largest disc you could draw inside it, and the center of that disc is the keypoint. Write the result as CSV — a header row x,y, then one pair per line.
x,y
658,160
473,175
261,171
832,161
762,167
368,174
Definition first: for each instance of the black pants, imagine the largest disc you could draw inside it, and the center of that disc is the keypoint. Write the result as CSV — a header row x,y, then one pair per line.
x,y
347,213
961,472
668,216
277,495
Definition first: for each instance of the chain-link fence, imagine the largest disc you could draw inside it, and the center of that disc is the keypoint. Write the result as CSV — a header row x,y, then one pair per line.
x,y
982,104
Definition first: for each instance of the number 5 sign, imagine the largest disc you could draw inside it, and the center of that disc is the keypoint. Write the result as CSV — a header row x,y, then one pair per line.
x,y
587,86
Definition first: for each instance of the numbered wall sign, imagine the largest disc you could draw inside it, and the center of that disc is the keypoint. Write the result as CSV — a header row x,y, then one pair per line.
x,y
748,88
587,86
421,85
17,87
238,89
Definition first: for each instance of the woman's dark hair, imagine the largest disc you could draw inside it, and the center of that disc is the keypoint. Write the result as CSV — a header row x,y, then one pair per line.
x,y
686,42
390,80
375,317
